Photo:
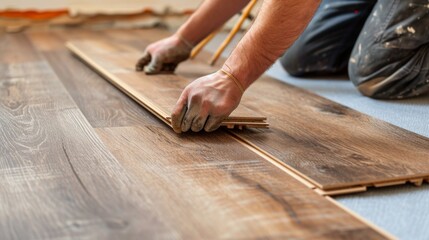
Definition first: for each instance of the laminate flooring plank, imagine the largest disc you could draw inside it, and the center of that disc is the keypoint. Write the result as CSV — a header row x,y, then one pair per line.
x,y
155,92
16,49
52,44
139,39
327,143
210,186
58,179
48,40
101,103
331,144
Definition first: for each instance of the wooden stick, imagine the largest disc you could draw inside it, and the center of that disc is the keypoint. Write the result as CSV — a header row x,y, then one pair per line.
x,y
234,31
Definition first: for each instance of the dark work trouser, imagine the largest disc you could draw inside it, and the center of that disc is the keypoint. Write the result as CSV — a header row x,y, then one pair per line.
x,y
387,58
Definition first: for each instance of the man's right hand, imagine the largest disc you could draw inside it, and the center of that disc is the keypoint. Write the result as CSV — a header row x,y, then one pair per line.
x,y
205,103
164,55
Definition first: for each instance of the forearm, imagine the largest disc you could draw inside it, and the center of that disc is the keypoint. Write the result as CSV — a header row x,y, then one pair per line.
x,y
277,26
211,15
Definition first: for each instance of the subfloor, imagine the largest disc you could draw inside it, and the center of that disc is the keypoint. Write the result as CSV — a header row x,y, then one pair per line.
x,y
401,210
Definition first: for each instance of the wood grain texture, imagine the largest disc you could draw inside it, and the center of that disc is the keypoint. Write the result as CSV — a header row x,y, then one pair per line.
x,y
325,143
101,103
209,186
12,48
157,93
328,144
58,179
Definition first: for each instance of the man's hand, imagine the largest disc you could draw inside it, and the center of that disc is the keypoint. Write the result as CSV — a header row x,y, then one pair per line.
x,y
164,55
205,103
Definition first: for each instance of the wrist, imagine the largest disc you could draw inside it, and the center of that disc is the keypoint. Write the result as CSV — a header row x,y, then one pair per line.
x,y
234,73
225,72
187,36
184,41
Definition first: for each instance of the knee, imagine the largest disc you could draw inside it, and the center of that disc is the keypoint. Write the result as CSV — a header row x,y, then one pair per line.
x,y
364,85
369,89
291,65
368,83
299,62
379,84
384,72
376,90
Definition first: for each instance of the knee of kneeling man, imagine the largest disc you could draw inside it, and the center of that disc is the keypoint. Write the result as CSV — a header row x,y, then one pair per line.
x,y
377,88
291,66
371,87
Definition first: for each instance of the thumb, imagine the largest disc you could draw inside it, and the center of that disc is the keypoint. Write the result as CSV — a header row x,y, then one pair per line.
x,y
179,112
143,61
154,66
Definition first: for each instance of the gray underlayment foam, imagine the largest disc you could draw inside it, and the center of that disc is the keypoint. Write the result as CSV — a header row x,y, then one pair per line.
x,y
402,210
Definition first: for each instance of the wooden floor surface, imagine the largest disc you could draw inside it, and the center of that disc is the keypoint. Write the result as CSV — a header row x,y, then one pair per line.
x,y
58,179
81,160
332,145
335,148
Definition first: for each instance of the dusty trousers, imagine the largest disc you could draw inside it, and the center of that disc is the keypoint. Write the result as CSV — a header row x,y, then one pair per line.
x,y
383,44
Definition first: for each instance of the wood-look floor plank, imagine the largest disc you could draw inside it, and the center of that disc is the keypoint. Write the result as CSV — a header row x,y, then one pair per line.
x,y
157,93
58,179
327,143
212,187
139,39
99,101
331,144
9,46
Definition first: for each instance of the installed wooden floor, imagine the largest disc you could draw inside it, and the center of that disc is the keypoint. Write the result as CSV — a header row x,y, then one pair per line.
x,y
79,159
334,146
328,146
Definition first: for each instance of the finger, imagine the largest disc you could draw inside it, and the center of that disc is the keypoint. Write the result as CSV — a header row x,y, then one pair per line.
x,y
154,66
194,108
178,114
213,123
169,67
199,122
143,61
191,113
176,121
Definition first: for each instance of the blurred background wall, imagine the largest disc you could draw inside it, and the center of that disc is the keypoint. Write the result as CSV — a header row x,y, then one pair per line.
x,y
101,6
20,15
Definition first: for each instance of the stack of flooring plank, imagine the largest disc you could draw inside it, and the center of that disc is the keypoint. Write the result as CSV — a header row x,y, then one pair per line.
x,y
80,159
